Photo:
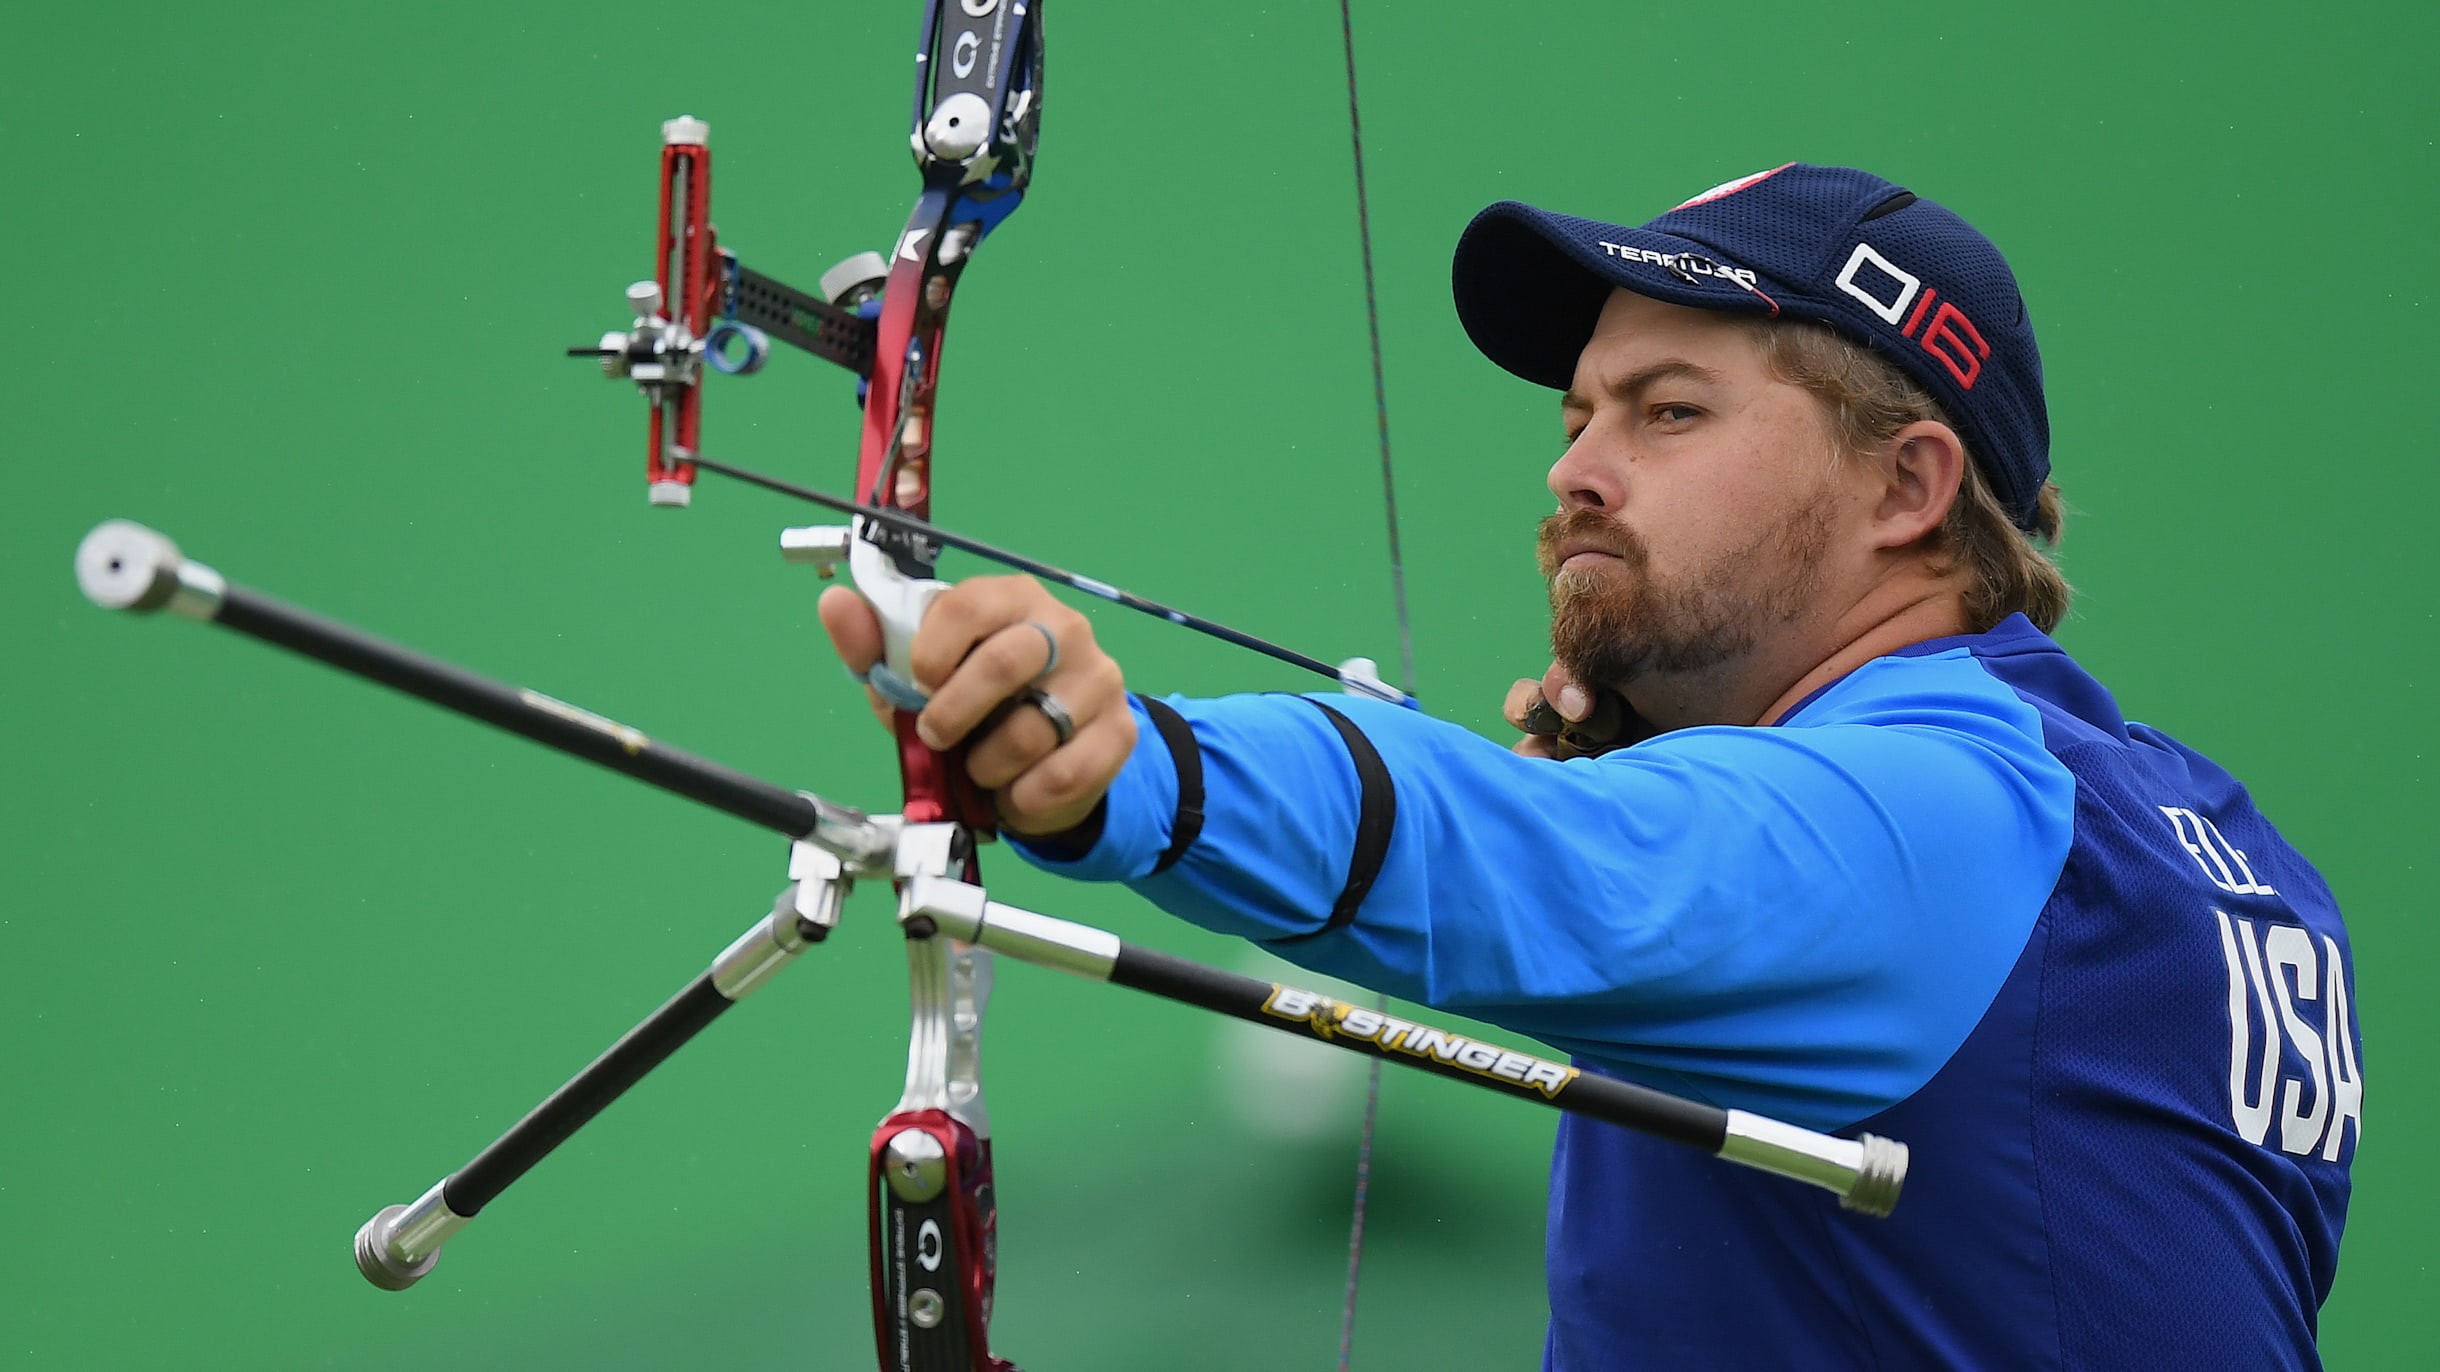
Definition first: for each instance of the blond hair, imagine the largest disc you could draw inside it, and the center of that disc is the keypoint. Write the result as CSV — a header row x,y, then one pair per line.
x,y
1867,401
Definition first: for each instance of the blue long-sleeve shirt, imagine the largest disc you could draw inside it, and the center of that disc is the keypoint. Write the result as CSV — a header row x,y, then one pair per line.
x,y
1952,897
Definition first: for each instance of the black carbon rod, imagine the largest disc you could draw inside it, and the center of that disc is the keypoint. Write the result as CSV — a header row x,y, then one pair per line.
x,y
530,714
397,1247
585,1095
1365,1030
1866,1172
125,566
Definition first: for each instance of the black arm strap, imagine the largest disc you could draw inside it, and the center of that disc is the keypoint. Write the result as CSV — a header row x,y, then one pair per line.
x,y
1376,812
1376,818
1187,757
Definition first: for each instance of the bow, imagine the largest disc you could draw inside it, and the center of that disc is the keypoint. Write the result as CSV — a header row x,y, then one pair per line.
x,y
977,110
933,1217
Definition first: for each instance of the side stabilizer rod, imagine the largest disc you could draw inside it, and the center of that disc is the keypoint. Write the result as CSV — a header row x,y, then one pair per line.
x,y
398,1247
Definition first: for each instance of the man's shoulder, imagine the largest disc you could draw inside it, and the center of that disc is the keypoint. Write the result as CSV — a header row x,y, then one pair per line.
x,y
2012,671
2022,679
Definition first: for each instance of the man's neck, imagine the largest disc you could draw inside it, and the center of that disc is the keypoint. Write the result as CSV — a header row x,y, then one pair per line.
x,y
1763,685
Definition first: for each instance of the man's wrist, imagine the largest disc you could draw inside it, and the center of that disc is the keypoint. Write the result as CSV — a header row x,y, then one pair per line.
x,y
1072,843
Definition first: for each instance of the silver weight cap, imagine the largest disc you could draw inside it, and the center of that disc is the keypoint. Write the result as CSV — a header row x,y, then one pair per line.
x,y
123,565
855,280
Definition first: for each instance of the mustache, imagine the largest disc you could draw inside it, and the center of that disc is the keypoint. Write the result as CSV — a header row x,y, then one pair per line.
x,y
1581,530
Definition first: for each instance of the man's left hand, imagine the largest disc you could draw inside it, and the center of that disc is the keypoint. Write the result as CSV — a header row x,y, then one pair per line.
x,y
983,644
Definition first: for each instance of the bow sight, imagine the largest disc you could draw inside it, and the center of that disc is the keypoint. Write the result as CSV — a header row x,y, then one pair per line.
x,y
706,306
932,1208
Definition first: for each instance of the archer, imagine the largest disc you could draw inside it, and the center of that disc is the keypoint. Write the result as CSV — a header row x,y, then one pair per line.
x,y
1825,825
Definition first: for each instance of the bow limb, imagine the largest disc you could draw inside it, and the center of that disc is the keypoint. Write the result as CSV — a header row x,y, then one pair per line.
x,y
934,1218
893,564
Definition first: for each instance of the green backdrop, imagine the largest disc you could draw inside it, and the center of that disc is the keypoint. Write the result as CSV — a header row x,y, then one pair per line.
x,y
292,284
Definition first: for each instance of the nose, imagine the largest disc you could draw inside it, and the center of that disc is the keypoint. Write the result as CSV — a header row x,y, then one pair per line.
x,y
1582,481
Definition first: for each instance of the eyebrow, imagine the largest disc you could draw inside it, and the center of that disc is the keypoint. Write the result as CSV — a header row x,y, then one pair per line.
x,y
1626,387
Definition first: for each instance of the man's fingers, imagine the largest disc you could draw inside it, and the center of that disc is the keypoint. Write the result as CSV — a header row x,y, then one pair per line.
x,y
970,612
1057,792
1537,745
1025,735
1003,642
854,629
1522,697
855,632
980,645
1572,701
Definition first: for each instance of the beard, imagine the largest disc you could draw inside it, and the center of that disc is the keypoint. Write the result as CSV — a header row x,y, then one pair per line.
x,y
1617,622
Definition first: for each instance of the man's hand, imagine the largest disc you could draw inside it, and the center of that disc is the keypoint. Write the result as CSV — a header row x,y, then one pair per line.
x,y
982,643
1555,691
1563,720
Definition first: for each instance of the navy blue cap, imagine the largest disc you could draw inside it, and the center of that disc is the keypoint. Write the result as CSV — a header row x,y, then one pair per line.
x,y
1897,273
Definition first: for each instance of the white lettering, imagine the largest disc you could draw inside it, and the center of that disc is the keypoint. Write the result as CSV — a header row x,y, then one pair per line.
x,y
2251,1117
1680,262
1910,283
928,1245
2212,852
2291,948
963,52
2204,856
2248,883
1549,1076
2346,1080
1325,1018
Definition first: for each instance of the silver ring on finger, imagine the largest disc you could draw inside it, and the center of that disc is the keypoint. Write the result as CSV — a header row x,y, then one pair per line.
x,y
1062,723
1051,641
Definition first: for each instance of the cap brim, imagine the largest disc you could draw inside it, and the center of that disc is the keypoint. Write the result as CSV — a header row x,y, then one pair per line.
x,y
1530,285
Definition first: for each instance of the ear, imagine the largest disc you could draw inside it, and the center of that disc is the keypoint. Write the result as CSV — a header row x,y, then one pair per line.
x,y
1920,471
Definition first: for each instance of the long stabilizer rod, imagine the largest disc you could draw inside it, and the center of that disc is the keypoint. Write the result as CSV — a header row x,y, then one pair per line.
x,y
126,566
1865,1173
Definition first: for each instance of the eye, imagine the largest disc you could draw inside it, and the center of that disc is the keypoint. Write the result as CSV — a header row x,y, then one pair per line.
x,y
1675,413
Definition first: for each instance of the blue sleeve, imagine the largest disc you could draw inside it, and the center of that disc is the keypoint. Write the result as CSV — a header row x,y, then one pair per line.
x,y
1804,920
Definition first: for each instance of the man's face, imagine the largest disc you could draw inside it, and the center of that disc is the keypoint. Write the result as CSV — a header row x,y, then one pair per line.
x,y
1697,499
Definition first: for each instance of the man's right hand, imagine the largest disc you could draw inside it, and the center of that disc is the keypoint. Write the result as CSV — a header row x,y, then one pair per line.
x,y
1563,720
1555,692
